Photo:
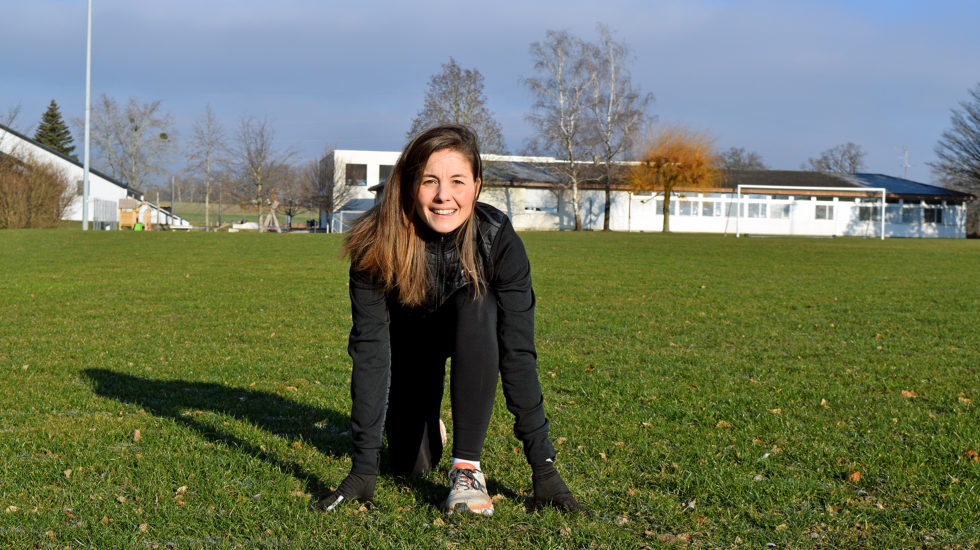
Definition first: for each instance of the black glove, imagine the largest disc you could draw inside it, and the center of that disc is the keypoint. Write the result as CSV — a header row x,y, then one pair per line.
x,y
354,487
549,489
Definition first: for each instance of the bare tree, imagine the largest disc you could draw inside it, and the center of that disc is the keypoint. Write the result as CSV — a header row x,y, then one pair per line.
x,y
846,158
560,110
208,152
131,142
455,96
617,110
255,159
958,155
321,188
737,158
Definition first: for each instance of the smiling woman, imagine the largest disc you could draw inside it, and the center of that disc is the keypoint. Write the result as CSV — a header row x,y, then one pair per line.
x,y
436,275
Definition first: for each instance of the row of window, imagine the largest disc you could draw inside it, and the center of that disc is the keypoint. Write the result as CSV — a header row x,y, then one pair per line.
x,y
895,213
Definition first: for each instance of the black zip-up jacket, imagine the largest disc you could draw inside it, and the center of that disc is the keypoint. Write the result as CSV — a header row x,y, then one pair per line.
x,y
506,271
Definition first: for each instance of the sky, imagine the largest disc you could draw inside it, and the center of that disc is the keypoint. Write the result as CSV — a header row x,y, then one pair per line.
x,y
785,79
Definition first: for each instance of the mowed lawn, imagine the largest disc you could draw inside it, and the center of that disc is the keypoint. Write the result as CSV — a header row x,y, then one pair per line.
x,y
191,390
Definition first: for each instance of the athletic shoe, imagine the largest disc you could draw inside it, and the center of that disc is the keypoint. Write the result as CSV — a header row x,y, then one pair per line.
x,y
468,491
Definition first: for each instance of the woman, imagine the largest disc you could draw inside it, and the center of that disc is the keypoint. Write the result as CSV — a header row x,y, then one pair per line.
x,y
436,275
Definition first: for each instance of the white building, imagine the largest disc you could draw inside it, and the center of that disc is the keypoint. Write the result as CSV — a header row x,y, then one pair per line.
x,y
763,202
104,192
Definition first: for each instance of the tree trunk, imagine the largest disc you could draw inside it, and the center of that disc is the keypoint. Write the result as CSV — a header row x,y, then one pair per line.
x,y
605,218
666,213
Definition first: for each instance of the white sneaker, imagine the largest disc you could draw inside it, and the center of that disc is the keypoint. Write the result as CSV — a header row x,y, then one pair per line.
x,y
468,491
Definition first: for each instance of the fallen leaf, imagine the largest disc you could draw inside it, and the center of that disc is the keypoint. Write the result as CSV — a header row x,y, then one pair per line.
x,y
782,527
823,402
646,424
633,492
50,535
620,443
11,509
622,520
497,497
589,368
438,521
910,394
136,436
181,490
684,537
964,400
667,538
292,388
297,445
105,520
144,528
758,478
700,520
67,473
603,457
297,493
120,499
854,477
775,411
971,455
565,531
722,424
561,440
69,514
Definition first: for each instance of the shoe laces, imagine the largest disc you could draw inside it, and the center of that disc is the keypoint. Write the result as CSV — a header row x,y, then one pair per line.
x,y
464,480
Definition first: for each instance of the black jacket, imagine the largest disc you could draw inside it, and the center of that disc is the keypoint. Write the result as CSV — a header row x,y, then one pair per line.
x,y
506,271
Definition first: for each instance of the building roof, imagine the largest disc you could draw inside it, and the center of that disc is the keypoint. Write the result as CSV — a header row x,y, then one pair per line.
x,y
901,186
129,190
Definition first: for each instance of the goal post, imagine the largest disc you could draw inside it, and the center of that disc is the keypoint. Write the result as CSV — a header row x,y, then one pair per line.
x,y
876,192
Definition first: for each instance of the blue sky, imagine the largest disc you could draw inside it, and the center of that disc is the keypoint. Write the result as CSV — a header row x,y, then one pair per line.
x,y
784,79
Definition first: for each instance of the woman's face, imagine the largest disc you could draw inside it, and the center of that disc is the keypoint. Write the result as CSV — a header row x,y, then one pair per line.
x,y
447,191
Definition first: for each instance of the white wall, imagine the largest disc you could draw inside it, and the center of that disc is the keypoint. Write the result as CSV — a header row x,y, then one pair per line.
x,y
101,189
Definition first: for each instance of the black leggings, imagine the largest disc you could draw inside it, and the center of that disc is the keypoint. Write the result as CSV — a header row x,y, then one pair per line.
x,y
464,330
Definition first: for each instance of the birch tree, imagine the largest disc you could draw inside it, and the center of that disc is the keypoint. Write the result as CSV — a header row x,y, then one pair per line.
x,y
256,158
560,86
617,110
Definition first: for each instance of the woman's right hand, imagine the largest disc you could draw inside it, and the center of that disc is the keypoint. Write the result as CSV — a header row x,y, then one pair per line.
x,y
354,487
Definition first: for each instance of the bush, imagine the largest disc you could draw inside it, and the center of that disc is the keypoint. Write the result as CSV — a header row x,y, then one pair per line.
x,y
32,194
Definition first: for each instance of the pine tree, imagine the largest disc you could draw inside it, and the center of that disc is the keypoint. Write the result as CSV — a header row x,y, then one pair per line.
x,y
54,133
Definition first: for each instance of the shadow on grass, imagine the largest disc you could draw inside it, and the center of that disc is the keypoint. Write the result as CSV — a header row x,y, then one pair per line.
x,y
182,401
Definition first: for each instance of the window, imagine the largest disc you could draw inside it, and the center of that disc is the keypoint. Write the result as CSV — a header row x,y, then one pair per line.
x,y
355,174
779,211
685,208
824,212
932,214
869,213
909,214
540,200
384,173
711,208
756,210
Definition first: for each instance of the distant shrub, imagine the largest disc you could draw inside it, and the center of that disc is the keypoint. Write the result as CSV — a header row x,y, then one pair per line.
x,y
32,194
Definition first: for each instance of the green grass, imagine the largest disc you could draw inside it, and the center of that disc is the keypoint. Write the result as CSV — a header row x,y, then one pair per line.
x,y
704,391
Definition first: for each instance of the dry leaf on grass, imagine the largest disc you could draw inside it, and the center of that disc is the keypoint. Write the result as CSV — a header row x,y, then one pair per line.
x,y
136,436
722,424
971,455
910,394
854,477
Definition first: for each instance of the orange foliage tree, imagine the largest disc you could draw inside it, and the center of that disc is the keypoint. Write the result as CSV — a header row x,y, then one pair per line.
x,y
675,157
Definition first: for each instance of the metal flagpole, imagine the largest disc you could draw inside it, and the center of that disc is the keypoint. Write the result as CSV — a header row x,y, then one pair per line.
x,y
88,109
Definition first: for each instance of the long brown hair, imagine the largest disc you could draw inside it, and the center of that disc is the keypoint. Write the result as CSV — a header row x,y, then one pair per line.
x,y
386,241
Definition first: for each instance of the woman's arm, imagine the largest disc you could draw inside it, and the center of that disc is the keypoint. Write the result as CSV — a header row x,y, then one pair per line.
x,y
370,349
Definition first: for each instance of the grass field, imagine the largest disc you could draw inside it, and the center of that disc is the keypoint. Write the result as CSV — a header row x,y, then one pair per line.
x,y
190,390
